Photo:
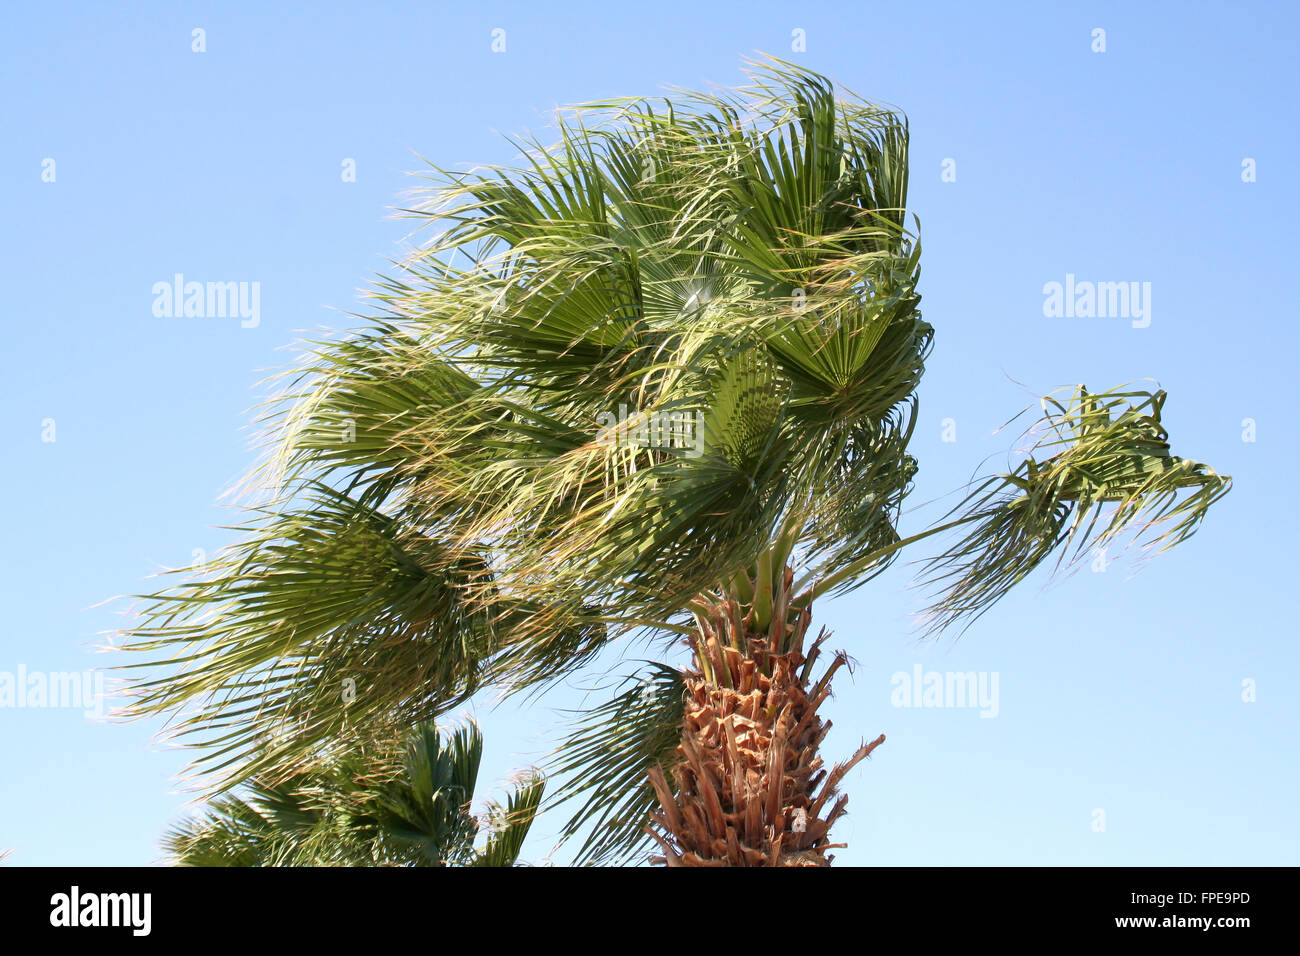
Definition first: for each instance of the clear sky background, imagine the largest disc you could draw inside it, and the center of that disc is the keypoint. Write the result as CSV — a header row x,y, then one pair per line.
x,y
1117,693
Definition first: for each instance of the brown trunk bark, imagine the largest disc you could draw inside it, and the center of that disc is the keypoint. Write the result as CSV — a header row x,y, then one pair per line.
x,y
748,787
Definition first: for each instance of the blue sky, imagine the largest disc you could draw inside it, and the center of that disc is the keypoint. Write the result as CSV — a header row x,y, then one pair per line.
x,y
1116,693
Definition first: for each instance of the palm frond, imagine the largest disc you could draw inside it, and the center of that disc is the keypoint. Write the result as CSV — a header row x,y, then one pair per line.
x,y
603,765
329,614
508,825
1102,468
405,803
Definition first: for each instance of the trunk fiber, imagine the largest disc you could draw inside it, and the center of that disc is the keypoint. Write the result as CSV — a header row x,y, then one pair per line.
x,y
748,787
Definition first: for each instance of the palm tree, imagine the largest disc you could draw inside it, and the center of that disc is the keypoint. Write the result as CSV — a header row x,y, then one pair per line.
x,y
658,381
407,808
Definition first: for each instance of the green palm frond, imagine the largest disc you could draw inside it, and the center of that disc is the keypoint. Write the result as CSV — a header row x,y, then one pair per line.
x,y
235,833
602,764
1108,472
293,822
330,613
508,825
352,405
429,810
407,805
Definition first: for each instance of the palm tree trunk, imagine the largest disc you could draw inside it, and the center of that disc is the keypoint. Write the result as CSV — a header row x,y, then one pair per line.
x,y
748,787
